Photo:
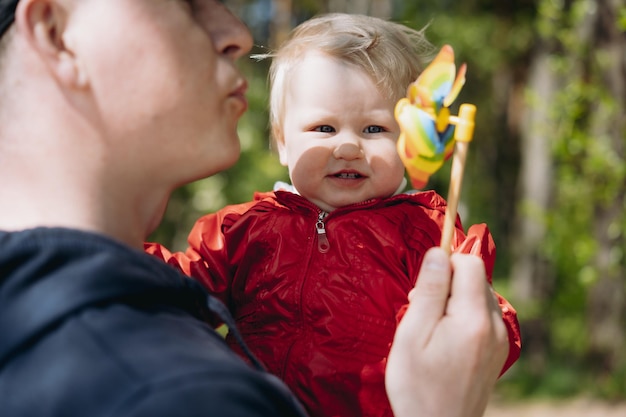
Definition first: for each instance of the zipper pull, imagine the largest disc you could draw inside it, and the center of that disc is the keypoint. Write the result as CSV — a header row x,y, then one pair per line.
x,y
322,241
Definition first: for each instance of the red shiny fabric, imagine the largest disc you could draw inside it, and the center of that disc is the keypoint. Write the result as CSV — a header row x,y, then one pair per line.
x,y
323,321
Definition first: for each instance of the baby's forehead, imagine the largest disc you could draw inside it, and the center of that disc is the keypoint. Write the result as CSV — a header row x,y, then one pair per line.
x,y
321,58
316,62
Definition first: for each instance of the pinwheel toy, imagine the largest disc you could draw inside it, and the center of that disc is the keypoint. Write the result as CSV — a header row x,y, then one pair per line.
x,y
430,134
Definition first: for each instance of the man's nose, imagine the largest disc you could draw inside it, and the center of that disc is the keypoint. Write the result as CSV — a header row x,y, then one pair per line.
x,y
231,36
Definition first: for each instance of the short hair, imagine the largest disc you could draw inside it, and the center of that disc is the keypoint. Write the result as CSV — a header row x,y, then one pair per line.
x,y
392,54
7,17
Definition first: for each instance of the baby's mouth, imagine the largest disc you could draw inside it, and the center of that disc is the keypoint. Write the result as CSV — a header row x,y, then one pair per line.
x,y
348,175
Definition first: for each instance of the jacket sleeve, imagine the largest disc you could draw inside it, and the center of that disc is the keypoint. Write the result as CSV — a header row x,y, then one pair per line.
x,y
479,242
206,258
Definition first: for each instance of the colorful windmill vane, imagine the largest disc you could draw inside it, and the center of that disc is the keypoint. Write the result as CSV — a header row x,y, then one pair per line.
x,y
430,134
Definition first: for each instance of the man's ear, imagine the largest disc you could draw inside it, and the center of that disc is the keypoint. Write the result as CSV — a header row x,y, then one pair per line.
x,y
44,25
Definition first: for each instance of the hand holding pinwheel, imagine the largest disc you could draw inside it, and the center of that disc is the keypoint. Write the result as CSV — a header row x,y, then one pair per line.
x,y
430,134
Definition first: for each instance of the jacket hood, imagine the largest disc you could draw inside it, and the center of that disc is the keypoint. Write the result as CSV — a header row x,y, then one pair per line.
x,y
48,274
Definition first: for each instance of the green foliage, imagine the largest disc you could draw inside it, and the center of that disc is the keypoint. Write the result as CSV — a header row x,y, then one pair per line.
x,y
589,178
591,172
564,377
621,22
561,380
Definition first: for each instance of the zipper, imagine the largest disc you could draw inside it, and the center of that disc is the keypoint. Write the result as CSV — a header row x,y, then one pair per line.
x,y
323,246
322,240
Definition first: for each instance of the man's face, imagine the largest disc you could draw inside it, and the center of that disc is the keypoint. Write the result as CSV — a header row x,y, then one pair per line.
x,y
162,77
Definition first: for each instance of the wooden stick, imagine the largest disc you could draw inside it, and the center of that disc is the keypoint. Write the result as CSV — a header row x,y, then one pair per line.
x,y
463,134
454,194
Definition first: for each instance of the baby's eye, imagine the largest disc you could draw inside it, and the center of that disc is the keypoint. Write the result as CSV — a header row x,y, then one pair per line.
x,y
374,129
324,129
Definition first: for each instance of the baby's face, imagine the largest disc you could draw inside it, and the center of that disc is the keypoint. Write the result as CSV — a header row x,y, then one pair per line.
x,y
339,135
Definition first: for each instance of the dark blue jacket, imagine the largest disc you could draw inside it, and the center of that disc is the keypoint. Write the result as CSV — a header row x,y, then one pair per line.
x,y
90,328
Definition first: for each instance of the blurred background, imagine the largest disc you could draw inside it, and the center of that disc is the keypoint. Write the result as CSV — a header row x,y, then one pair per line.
x,y
546,170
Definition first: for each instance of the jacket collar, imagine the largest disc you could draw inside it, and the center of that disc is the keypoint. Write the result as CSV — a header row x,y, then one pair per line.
x,y
286,194
284,186
49,274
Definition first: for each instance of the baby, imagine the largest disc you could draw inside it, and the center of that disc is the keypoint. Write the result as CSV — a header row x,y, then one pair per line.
x,y
316,272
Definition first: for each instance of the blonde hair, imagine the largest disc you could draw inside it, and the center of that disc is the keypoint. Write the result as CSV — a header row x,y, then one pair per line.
x,y
393,55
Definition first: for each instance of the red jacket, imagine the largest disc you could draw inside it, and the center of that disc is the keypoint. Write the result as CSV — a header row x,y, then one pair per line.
x,y
316,298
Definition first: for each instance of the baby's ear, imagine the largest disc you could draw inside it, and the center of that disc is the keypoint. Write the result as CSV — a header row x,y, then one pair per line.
x,y
44,23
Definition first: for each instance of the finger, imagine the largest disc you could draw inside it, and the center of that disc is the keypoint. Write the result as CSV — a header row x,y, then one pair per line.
x,y
498,312
470,290
492,298
429,297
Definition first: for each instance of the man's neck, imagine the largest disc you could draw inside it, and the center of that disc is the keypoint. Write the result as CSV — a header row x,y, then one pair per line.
x,y
47,198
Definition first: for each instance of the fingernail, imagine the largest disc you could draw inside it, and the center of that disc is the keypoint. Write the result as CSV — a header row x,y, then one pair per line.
x,y
436,259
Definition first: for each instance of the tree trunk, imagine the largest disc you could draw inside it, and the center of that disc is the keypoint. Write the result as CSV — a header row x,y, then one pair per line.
x,y
607,299
532,280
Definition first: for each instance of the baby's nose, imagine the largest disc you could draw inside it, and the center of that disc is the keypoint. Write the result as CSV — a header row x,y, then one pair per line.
x,y
348,149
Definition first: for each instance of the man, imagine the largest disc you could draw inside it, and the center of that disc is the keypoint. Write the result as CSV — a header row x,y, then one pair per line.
x,y
106,106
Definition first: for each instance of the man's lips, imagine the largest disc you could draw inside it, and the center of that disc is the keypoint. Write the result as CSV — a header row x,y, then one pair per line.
x,y
240,94
242,87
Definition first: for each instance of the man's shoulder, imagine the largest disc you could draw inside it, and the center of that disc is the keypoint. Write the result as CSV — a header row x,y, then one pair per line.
x,y
187,369
130,361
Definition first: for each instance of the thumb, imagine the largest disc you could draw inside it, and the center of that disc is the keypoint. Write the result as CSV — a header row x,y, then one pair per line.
x,y
429,298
